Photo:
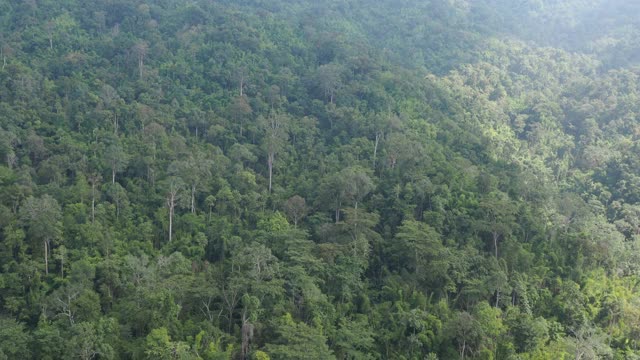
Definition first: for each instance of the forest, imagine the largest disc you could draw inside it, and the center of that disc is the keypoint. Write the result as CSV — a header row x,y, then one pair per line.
x,y
320,179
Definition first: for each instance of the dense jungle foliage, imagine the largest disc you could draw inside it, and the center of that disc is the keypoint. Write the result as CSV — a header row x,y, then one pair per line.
x,y
319,179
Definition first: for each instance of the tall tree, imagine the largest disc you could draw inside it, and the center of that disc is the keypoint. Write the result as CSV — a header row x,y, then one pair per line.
x,y
275,128
194,170
115,157
239,110
94,180
357,184
111,101
296,208
140,50
43,218
174,187
497,217
328,78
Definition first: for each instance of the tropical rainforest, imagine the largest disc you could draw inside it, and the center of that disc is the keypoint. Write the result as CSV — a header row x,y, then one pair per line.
x,y
320,179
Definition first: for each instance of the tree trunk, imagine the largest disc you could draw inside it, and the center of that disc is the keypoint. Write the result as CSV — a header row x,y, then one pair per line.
x,y
193,198
170,220
113,175
270,163
375,150
62,266
247,335
46,258
464,348
231,300
171,204
355,222
495,242
93,203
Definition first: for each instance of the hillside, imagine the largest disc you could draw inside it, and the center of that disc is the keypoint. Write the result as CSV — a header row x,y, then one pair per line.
x,y
324,179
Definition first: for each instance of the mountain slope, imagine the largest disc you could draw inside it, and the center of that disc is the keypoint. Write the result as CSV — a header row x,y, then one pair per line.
x,y
334,179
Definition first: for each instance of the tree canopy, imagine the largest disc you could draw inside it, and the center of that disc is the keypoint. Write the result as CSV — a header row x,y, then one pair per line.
x,y
320,179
